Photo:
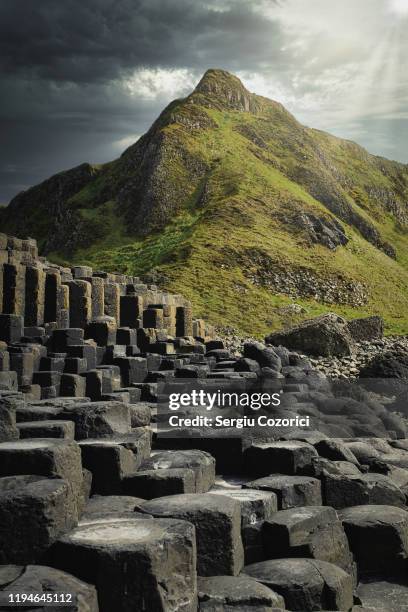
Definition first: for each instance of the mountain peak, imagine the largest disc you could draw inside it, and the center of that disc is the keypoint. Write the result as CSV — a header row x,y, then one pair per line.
x,y
219,87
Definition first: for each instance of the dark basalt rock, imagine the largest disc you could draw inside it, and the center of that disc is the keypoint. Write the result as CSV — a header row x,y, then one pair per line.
x,y
134,563
165,495
34,512
43,581
236,593
305,584
328,232
326,335
217,520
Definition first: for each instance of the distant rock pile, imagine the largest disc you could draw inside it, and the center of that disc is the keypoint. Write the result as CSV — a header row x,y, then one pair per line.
x,y
98,504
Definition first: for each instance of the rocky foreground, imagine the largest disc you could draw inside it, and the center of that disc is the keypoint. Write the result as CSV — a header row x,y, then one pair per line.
x,y
100,506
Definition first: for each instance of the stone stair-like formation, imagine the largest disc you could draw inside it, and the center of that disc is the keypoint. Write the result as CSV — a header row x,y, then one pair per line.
x,y
77,332
99,504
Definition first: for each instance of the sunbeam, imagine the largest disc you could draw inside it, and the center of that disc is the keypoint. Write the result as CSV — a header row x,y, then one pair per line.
x,y
399,7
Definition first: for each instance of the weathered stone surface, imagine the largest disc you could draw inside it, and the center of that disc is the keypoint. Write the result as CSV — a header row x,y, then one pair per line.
x,y
335,450
378,536
326,335
98,419
200,462
287,457
44,457
305,584
34,512
45,581
264,356
313,531
218,525
80,303
34,296
378,595
366,328
11,327
241,593
109,463
342,491
72,385
135,564
140,412
256,505
291,491
113,459
47,429
102,330
110,505
8,428
158,483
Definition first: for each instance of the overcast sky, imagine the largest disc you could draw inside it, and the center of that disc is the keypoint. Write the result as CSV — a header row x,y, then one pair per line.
x,y
83,79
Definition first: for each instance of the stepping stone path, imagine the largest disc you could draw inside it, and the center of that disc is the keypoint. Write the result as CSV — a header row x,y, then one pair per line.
x,y
101,498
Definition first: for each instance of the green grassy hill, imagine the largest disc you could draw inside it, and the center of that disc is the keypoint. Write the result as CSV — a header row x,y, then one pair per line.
x,y
231,201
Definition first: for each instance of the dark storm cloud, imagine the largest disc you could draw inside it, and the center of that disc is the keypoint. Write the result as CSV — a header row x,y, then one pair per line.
x,y
63,63
81,79
73,40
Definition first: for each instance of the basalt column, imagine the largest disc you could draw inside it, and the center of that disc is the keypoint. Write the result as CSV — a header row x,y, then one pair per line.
x,y
112,300
34,296
52,293
80,303
184,321
13,289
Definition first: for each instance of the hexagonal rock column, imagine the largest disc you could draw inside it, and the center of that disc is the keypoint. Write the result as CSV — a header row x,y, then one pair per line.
x,y
34,512
256,507
8,428
44,457
135,564
378,536
291,491
200,462
283,457
305,584
109,462
97,419
342,491
47,429
157,483
46,580
110,505
314,531
102,330
218,525
379,595
230,592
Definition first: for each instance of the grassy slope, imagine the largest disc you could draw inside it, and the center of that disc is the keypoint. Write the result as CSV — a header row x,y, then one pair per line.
x,y
196,251
248,200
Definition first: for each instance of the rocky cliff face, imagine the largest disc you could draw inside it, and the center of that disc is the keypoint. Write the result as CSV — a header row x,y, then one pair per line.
x,y
223,173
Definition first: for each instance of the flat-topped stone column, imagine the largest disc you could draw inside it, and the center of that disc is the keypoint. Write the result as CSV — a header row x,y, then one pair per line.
x,y
63,318
44,457
52,291
217,520
131,310
80,303
135,564
184,321
11,327
34,512
112,300
34,296
13,289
